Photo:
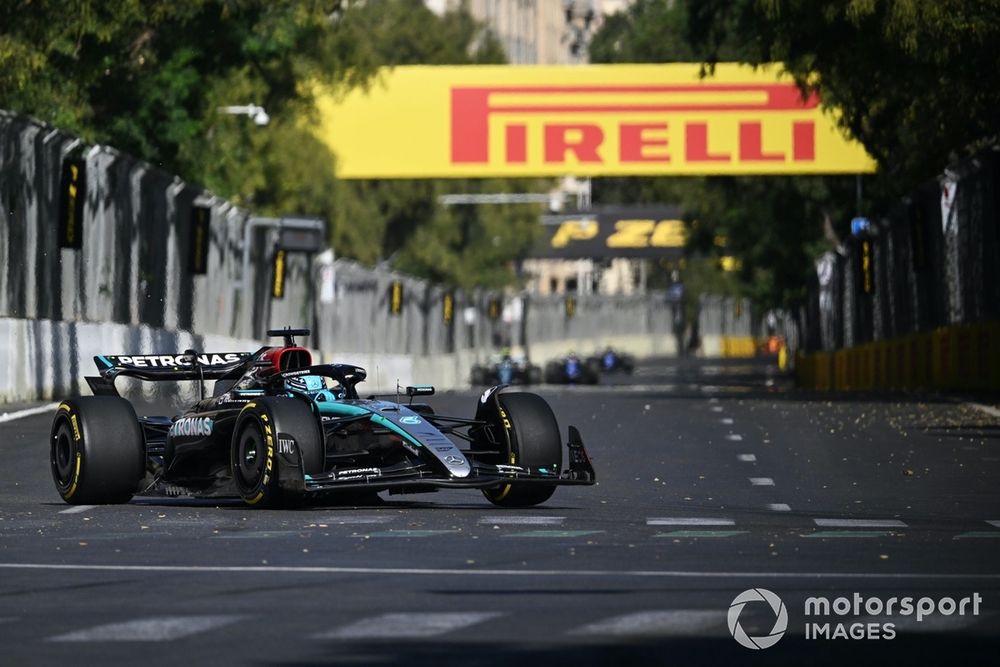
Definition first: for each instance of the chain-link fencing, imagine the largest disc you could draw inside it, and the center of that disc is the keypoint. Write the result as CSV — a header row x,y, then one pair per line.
x,y
932,261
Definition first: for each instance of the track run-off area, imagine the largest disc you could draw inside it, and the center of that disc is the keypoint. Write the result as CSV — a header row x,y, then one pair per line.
x,y
715,477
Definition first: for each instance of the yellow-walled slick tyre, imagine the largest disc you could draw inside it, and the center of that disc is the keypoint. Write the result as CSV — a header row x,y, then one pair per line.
x,y
97,452
254,451
534,441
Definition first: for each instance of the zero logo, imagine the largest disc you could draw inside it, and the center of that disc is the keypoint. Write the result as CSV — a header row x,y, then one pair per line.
x,y
647,233
411,420
780,618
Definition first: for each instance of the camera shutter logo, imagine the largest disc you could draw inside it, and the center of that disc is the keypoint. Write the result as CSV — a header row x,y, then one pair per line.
x,y
780,622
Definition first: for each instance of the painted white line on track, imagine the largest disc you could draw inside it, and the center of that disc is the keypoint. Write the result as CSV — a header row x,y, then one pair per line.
x,y
995,524
859,523
457,572
735,437
688,521
761,481
504,520
21,414
409,625
746,458
76,509
713,400
779,507
672,623
716,408
988,409
354,520
164,628
726,420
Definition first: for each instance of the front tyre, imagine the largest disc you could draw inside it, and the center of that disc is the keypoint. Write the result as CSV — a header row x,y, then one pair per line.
x,y
254,458
97,452
535,442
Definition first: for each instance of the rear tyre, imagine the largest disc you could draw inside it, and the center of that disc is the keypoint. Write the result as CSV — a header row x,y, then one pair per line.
x,y
97,452
254,459
535,442
554,373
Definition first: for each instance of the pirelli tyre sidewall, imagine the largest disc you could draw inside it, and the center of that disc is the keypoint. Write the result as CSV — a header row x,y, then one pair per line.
x,y
533,435
97,454
276,442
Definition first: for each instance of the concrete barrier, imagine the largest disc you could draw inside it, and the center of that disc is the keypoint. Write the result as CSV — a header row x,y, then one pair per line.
x,y
48,359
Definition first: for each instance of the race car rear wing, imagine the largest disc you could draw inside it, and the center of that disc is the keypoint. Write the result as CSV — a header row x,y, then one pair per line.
x,y
166,368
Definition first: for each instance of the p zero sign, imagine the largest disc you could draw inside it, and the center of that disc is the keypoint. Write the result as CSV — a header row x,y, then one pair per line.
x,y
595,120
618,231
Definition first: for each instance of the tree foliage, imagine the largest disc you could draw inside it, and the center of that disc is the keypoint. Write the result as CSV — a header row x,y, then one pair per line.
x,y
149,76
916,82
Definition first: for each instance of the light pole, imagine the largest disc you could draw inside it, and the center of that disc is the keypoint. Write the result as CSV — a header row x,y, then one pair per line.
x,y
254,111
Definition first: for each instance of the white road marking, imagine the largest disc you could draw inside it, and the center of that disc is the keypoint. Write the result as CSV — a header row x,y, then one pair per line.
x,y
995,524
419,571
735,437
504,520
20,414
158,629
688,521
761,481
859,523
726,420
748,458
988,409
672,623
417,624
779,507
716,408
713,400
353,520
76,509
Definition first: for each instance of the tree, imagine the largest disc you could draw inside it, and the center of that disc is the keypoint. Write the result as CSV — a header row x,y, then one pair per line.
x,y
148,77
917,83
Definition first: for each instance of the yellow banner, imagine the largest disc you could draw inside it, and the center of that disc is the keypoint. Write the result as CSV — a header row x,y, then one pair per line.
x,y
589,120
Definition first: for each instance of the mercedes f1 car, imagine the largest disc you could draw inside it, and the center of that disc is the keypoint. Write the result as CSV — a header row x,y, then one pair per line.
x,y
279,429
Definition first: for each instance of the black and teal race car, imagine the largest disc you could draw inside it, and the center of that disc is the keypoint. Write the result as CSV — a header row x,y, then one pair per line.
x,y
278,429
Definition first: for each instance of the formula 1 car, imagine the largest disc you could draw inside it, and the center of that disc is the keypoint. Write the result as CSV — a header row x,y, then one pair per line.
x,y
572,370
504,369
612,361
279,429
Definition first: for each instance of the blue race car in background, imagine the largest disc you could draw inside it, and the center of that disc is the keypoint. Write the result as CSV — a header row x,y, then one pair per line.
x,y
505,369
571,369
613,361
279,429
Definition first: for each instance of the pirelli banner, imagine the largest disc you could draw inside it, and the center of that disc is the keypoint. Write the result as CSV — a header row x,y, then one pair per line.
x,y
592,120
613,232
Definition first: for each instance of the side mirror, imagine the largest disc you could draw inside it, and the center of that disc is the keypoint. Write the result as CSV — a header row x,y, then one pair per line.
x,y
420,390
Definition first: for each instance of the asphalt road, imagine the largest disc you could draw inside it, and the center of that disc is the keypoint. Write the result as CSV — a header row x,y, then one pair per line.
x,y
715,478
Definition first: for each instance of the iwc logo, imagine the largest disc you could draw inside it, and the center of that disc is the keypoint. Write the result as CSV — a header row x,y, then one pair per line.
x,y
780,616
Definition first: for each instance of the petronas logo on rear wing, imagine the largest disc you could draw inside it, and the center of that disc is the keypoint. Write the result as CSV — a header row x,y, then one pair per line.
x,y
170,361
